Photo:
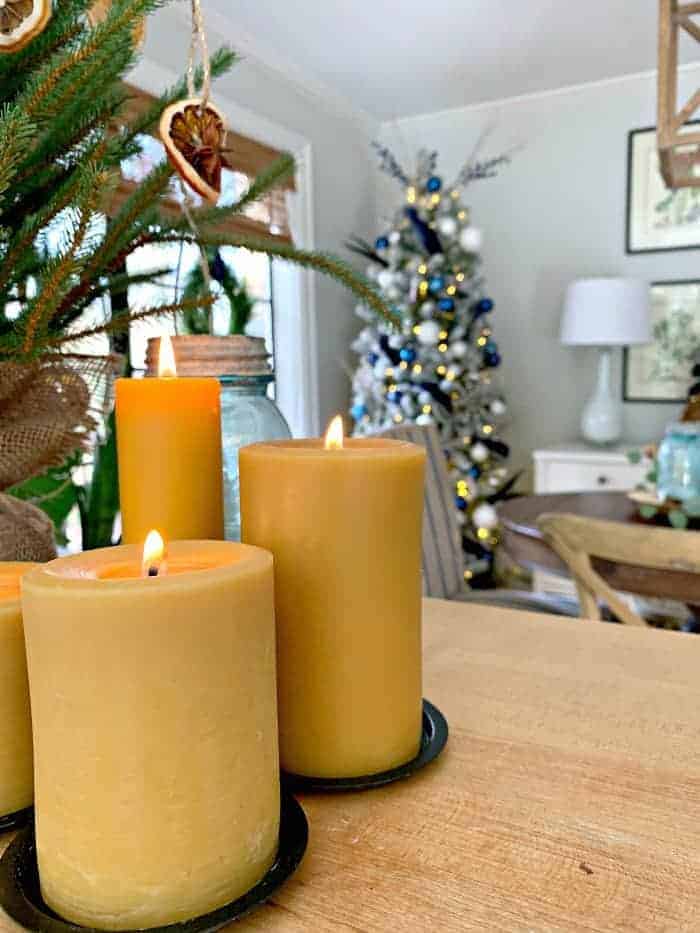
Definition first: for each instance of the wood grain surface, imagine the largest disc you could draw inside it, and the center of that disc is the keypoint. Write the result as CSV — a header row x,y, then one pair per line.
x,y
568,798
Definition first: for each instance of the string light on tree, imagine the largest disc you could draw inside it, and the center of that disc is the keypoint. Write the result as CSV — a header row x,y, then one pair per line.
x,y
426,263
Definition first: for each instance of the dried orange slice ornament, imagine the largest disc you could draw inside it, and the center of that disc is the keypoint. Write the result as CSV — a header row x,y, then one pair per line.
x,y
98,14
194,135
21,21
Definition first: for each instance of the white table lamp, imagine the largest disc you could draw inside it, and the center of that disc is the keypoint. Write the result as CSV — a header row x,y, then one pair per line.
x,y
605,313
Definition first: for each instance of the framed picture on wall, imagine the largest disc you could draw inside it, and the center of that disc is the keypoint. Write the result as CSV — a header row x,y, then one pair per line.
x,y
661,370
657,218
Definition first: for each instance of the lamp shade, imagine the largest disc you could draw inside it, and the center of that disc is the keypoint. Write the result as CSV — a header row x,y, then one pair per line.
x,y
606,312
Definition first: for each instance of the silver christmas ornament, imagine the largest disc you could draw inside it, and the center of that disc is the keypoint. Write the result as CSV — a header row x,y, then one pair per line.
x,y
485,516
447,226
479,452
429,333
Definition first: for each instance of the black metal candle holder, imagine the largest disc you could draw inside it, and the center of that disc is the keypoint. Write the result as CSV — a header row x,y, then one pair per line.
x,y
20,894
15,820
433,740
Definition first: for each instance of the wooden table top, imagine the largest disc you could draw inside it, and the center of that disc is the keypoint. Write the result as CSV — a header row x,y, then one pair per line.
x,y
567,799
523,541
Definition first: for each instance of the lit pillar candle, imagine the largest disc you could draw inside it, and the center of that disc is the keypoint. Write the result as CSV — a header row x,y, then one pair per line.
x,y
155,730
169,449
16,775
344,526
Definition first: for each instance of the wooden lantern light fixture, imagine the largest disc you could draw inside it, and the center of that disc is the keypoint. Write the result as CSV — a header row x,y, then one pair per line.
x,y
679,151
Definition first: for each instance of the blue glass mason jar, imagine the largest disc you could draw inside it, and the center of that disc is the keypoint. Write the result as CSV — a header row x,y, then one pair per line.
x,y
247,415
678,462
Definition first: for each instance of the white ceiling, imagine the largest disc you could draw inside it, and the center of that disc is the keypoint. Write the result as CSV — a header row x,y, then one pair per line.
x,y
395,59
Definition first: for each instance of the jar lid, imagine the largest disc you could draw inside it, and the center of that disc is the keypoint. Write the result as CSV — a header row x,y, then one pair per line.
x,y
204,355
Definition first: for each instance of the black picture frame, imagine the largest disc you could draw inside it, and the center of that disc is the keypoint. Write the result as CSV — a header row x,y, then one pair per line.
x,y
626,359
629,249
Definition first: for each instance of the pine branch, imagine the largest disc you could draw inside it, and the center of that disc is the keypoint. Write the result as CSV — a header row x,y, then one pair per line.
x,y
65,68
121,322
60,270
16,133
319,262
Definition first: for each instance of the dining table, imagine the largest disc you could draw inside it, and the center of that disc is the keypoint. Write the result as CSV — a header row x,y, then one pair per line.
x,y
524,543
567,797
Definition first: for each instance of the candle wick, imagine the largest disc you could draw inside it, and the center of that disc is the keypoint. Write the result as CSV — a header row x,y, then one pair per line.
x,y
152,571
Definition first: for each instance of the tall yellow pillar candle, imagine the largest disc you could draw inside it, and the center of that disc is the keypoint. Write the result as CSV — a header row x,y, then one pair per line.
x,y
16,774
169,449
344,526
155,731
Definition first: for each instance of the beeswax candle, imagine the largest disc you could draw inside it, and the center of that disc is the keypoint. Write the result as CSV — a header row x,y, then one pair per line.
x,y
344,526
155,731
169,449
16,775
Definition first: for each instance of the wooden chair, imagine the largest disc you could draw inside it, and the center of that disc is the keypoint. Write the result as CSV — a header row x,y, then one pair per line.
x,y
576,540
443,559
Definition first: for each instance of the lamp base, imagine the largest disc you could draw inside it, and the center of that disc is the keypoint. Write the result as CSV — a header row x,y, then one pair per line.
x,y
601,418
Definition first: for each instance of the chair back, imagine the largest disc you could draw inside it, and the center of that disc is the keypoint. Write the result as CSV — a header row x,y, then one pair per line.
x,y
577,539
443,562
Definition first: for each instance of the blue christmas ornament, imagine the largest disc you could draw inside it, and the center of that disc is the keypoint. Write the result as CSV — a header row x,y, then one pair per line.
x,y
358,412
493,359
381,242
474,471
407,354
446,304
461,503
436,283
484,305
372,358
434,183
491,347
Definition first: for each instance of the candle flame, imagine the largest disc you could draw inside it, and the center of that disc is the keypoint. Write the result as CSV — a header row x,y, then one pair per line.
x,y
334,434
166,358
153,554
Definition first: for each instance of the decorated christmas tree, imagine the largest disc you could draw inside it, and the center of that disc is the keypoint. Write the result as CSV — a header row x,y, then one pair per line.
x,y
437,364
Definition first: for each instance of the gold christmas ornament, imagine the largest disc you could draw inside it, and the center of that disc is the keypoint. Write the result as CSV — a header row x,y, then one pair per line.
x,y
194,135
98,14
21,21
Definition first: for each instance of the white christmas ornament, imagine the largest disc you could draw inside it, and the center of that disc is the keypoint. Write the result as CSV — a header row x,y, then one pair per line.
x,y
425,398
394,236
479,452
385,278
395,342
470,239
447,226
498,407
485,516
424,420
429,333
458,349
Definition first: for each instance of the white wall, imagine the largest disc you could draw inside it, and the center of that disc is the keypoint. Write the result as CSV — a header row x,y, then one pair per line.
x,y
556,213
263,103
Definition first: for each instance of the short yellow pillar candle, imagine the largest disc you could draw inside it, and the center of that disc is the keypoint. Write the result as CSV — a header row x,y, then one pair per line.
x,y
169,448
344,526
16,774
155,731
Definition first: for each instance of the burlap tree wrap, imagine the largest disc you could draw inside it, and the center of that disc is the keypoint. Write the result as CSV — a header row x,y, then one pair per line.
x,y
26,533
44,417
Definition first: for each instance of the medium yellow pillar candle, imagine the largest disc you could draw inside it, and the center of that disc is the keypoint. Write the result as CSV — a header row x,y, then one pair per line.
x,y
155,731
16,773
169,449
344,526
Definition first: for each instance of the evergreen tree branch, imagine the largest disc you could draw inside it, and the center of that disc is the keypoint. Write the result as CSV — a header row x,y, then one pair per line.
x,y
319,262
16,133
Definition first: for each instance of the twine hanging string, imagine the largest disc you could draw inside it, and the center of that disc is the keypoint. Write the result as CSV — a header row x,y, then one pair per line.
x,y
198,38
